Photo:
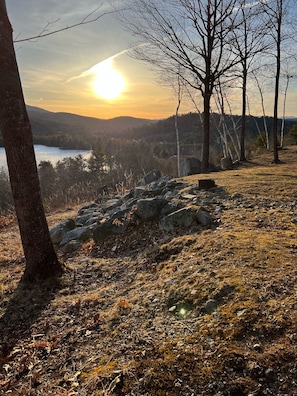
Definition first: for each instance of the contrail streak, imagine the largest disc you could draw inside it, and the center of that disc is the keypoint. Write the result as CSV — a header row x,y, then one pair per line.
x,y
94,69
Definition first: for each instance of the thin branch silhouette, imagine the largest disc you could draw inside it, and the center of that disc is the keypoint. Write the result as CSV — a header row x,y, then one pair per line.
x,y
84,21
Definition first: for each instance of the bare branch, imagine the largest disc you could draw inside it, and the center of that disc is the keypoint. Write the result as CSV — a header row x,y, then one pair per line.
x,y
84,21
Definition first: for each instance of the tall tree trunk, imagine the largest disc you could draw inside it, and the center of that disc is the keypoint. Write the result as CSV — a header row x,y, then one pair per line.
x,y
263,113
275,114
284,113
243,113
277,78
206,132
41,259
177,138
179,98
207,90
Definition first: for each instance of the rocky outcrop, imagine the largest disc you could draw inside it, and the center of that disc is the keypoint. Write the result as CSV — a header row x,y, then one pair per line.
x,y
168,202
150,177
57,233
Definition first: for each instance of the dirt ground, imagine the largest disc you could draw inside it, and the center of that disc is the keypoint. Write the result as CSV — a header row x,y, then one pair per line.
x,y
190,312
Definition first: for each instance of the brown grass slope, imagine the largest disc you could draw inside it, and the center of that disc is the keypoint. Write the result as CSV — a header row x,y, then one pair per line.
x,y
194,312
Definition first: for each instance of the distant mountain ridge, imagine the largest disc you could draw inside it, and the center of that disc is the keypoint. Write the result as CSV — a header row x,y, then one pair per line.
x,y
39,116
73,131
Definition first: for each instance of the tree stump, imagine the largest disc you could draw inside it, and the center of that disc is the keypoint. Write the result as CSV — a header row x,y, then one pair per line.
x,y
206,184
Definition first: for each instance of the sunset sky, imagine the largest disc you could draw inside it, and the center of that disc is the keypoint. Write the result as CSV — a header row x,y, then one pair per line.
x,y
69,71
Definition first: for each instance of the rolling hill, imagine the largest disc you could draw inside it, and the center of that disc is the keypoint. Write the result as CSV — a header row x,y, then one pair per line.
x,y
43,120
72,131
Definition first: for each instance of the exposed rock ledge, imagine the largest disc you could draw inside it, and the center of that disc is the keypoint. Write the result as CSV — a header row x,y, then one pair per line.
x,y
168,202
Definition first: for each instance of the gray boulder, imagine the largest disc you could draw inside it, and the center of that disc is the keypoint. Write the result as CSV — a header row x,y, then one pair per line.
x,y
117,224
184,217
171,207
150,177
57,233
226,163
150,208
88,212
160,183
111,204
81,234
92,221
190,166
128,204
85,218
145,192
71,246
109,227
203,217
91,207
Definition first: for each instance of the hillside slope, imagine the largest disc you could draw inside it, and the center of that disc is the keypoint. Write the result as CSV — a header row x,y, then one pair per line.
x,y
68,121
208,312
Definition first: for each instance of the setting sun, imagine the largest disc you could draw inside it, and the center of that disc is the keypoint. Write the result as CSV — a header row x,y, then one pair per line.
x,y
108,83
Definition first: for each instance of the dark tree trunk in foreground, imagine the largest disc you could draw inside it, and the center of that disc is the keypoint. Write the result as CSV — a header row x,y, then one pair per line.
x,y
41,259
206,133
276,89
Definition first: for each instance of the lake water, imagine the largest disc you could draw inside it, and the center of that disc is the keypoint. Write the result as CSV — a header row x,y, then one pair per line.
x,y
45,153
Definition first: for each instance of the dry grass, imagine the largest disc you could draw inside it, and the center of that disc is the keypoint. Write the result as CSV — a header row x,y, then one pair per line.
x,y
196,312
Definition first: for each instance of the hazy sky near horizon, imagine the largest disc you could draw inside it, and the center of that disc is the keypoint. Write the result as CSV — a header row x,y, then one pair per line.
x,y
59,72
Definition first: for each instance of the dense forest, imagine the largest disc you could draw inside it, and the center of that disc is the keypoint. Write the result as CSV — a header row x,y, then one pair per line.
x,y
70,131
160,135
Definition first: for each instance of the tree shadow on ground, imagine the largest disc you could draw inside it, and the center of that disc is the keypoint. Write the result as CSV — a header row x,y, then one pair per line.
x,y
23,309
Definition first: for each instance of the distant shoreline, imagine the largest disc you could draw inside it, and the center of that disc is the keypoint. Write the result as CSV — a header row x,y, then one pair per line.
x,y
47,153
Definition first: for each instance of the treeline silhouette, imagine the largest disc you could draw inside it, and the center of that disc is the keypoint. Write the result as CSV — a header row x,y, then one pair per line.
x,y
68,136
118,162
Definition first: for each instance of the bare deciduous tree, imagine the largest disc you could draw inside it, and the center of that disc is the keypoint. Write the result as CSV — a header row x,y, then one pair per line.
x,y
279,31
249,41
188,37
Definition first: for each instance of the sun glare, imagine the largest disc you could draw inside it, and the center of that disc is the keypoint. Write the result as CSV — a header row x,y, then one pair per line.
x,y
108,83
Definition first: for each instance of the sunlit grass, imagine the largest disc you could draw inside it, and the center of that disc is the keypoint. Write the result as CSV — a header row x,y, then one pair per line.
x,y
141,322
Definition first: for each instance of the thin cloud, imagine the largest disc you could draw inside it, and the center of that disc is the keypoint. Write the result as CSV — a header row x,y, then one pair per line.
x,y
94,69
